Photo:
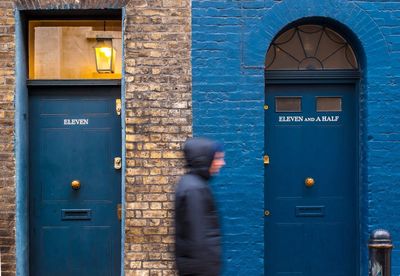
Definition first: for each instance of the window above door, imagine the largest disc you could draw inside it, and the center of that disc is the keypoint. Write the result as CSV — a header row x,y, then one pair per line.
x,y
310,47
75,49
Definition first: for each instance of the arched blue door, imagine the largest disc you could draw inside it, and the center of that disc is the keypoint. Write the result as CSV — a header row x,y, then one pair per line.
x,y
311,180
311,146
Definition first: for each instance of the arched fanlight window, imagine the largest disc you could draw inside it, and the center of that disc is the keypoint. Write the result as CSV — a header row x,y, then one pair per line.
x,y
310,47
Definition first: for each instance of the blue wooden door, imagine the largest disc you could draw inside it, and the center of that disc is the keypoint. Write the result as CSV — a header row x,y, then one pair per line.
x,y
75,134
311,180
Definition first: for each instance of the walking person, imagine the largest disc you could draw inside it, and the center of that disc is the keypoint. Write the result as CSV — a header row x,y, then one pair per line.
x,y
198,235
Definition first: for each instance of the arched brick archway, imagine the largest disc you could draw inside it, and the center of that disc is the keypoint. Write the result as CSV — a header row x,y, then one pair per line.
x,y
359,24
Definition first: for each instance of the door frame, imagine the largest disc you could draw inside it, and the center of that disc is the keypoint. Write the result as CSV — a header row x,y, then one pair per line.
x,y
21,120
285,77
21,100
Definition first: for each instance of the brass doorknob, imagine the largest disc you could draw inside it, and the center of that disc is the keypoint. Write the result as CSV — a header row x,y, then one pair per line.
x,y
267,213
75,184
309,181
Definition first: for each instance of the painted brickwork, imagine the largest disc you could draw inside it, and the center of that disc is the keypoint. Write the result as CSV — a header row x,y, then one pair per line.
x,y
158,120
229,43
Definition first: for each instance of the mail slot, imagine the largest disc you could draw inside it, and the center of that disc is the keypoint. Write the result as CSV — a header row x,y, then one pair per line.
x,y
76,214
310,211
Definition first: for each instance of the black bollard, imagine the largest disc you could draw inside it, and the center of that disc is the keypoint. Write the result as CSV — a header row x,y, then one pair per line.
x,y
380,247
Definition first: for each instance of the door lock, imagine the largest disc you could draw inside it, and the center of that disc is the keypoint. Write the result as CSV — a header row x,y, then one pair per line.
x,y
267,213
119,211
118,106
266,160
117,163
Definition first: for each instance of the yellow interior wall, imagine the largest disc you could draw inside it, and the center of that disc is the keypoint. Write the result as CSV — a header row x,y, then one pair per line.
x,y
61,49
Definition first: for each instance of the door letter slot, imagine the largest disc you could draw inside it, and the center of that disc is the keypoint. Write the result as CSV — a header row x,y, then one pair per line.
x,y
310,211
76,214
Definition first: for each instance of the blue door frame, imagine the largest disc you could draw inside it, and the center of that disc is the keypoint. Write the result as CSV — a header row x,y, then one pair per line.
x,y
22,128
304,211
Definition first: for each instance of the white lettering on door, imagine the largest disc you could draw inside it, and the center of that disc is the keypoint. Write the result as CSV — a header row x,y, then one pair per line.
x,y
288,119
68,122
291,118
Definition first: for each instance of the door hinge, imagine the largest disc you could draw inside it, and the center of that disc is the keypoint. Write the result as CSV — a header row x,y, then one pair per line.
x,y
118,106
266,159
117,163
119,211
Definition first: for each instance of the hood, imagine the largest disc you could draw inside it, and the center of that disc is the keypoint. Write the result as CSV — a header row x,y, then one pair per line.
x,y
199,154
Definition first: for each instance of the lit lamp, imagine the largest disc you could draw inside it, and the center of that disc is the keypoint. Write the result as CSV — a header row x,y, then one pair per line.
x,y
105,55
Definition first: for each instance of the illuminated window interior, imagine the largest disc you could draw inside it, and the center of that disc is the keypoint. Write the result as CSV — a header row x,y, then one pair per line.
x,y
75,49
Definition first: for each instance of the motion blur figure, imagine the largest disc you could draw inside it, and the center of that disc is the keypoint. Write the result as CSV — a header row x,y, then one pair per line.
x,y
198,235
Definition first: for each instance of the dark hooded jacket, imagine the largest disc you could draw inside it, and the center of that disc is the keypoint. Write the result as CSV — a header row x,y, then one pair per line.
x,y
198,238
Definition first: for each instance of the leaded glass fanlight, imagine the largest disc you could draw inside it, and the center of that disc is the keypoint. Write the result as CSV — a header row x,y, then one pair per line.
x,y
310,47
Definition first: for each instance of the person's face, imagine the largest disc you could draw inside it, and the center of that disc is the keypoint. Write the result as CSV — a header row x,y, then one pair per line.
x,y
217,163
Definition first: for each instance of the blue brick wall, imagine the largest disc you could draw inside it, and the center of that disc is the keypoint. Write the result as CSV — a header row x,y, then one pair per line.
x,y
229,42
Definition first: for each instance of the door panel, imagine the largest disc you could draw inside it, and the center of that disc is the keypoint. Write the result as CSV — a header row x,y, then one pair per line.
x,y
311,230
75,134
